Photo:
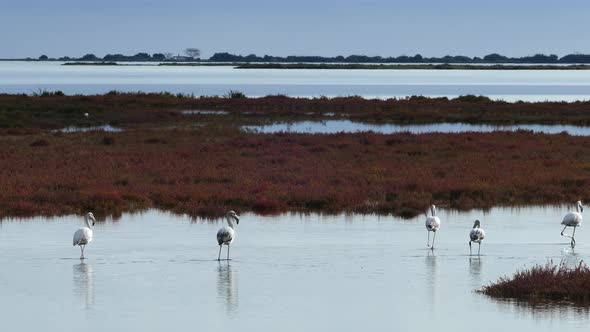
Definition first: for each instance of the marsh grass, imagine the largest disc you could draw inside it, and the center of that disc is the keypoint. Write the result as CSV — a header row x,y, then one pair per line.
x,y
162,159
53,110
205,170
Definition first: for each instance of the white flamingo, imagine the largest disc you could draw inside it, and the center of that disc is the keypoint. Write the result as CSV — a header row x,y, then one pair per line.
x,y
476,235
83,236
573,219
226,234
432,225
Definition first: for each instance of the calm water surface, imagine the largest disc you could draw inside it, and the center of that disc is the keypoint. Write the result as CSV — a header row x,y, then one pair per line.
x,y
204,112
510,85
73,129
347,126
155,271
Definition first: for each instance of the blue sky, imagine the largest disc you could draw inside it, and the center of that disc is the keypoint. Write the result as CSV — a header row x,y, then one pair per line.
x,y
303,27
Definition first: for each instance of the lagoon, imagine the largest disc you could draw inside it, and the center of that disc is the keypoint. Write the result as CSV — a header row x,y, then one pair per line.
x,y
154,270
509,85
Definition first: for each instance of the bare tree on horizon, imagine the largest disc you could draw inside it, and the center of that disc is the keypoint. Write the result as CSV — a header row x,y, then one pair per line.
x,y
192,52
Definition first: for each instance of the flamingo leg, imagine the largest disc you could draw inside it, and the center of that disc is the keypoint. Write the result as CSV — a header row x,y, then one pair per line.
x,y
219,256
228,252
479,248
433,238
82,250
428,241
470,248
573,243
563,230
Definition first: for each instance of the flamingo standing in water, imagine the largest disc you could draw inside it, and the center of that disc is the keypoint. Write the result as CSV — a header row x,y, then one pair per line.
x,y
226,234
432,225
573,219
83,236
476,235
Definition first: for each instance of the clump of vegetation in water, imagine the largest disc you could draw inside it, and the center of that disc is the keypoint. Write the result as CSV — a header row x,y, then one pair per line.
x,y
548,282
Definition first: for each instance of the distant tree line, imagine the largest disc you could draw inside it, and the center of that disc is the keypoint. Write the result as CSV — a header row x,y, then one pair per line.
x,y
192,54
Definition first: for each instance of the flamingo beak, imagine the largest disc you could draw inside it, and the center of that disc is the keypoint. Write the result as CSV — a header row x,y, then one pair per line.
x,y
237,219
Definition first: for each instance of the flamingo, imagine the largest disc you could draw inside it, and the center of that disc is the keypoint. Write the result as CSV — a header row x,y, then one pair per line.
x,y
432,225
476,235
83,236
226,234
573,219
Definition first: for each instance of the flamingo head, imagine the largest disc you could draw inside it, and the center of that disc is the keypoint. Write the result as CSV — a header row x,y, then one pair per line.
x,y
433,210
233,215
476,224
579,206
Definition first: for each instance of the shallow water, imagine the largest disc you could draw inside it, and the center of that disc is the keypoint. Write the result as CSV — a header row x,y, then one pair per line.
x,y
204,112
73,129
347,126
156,271
509,85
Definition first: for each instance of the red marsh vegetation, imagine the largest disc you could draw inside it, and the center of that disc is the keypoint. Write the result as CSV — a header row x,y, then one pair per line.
x,y
209,169
54,110
544,283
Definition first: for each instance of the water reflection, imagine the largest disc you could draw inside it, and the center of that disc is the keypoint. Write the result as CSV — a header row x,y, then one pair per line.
x,y
431,268
551,311
570,258
475,265
227,287
83,281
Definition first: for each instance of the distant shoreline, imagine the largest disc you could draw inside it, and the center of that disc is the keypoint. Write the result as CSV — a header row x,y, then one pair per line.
x,y
414,66
416,59
331,66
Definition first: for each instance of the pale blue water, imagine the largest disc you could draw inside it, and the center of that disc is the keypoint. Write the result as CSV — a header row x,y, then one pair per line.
x,y
203,112
347,126
527,85
107,128
156,271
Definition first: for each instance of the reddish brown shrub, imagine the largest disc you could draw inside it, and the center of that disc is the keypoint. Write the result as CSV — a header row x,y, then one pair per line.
x,y
544,282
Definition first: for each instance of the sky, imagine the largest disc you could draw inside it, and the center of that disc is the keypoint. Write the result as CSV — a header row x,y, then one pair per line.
x,y
298,27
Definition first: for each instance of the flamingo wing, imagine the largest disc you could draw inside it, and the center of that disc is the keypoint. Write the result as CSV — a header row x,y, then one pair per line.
x,y
82,236
572,219
225,235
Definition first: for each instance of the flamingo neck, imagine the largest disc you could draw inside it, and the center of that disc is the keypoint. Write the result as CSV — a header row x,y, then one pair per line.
x,y
433,211
230,222
87,222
